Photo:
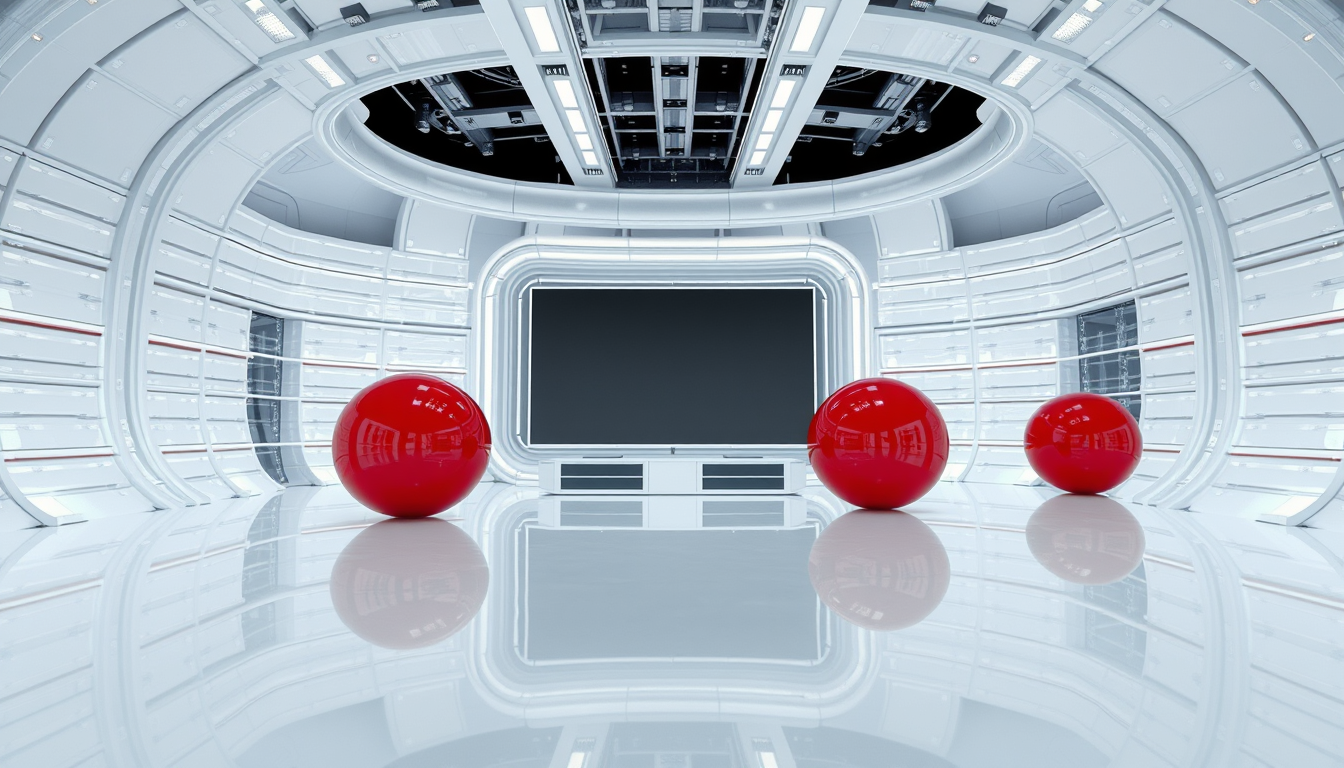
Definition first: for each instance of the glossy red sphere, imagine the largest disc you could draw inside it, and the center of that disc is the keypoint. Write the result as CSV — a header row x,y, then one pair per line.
x,y
1086,539
1083,443
878,443
411,445
409,583
879,570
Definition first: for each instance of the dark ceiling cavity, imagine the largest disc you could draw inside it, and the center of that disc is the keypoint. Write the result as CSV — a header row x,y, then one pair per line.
x,y
673,122
869,120
480,121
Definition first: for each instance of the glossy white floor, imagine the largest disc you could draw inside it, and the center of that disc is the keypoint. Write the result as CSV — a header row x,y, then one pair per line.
x,y
634,632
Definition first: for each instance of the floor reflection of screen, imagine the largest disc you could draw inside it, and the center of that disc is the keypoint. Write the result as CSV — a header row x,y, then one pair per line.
x,y
617,594
671,366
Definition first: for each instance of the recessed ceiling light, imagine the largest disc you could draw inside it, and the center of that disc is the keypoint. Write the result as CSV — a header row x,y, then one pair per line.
x,y
564,90
325,71
37,36
1308,37
782,93
808,27
373,58
590,158
542,31
1092,6
1020,72
583,141
772,120
575,118
268,21
757,158
974,57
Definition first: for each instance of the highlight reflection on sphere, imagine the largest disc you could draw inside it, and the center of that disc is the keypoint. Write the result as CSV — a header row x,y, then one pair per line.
x,y
1089,540
879,570
409,583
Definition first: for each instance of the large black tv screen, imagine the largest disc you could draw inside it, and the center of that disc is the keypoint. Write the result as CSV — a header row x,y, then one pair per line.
x,y
675,366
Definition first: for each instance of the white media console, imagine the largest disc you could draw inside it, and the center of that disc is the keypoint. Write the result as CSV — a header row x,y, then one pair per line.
x,y
672,476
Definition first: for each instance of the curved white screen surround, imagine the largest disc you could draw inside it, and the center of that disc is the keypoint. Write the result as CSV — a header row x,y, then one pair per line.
x,y
130,130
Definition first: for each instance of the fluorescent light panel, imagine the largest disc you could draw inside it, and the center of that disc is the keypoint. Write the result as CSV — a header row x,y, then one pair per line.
x,y
1072,28
583,140
589,157
782,93
1023,69
325,71
575,118
564,90
268,21
772,117
1092,6
758,158
542,31
807,29
763,141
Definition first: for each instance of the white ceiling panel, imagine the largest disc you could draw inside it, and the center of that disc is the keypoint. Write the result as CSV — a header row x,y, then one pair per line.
x,y
356,58
218,178
324,11
1074,128
180,63
105,128
1165,63
1305,73
1240,131
1024,12
1128,183
272,127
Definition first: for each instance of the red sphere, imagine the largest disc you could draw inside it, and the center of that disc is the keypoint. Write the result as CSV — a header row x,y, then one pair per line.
x,y
409,583
411,445
878,443
879,570
1083,443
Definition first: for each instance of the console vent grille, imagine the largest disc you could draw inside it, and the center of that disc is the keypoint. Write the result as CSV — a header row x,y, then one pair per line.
x,y
601,477
742,477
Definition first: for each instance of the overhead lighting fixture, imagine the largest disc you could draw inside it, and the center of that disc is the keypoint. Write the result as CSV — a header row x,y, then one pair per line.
x,y
576,123
583,140
589,157
758,158
992,15
325,71
1092,6
426,5
542,31
1307,38
1072,28
772,120
1020,72
973,58
763,141
765,753
37,36
268,21
373,58
808,27
564,90
354,15
782,93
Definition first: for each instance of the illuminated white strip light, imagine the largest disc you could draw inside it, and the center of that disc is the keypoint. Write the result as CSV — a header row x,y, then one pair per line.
x,y
1019,73
569,100
325,71
268,21
783,92
1072,28
542,31
808,27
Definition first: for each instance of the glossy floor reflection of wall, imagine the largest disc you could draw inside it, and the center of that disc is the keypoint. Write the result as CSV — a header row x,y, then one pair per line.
x,y
298,630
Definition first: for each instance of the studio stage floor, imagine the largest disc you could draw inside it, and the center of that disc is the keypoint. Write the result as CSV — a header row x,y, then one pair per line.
x,y
987,629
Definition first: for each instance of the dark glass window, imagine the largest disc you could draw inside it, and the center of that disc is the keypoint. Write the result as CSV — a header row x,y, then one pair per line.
x,y
1111,373
265,376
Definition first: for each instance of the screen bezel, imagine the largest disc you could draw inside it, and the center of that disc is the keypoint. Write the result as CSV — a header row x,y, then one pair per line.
x,y
524,400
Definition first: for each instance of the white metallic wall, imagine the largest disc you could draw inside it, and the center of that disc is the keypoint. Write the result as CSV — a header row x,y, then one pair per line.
x,y
130,130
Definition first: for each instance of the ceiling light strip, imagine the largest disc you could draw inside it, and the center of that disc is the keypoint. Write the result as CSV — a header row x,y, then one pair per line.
x,y
1021,71
542,31
569,101
271,24
808,26
325,71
